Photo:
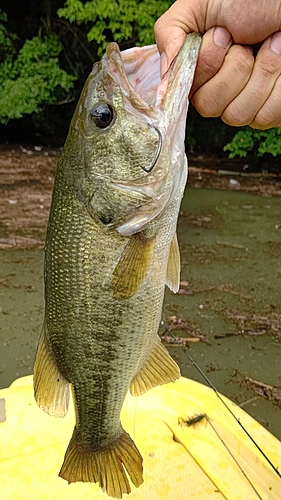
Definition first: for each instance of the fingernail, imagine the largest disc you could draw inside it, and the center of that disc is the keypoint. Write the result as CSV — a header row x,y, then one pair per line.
x,y
275,42
163,64
222,37
249,48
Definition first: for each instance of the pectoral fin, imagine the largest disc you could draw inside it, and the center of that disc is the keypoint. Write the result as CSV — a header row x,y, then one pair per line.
x,y
173,267
132,266
158,369
51,389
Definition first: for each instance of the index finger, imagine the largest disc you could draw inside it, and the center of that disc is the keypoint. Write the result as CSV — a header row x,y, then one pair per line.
x,y
215,44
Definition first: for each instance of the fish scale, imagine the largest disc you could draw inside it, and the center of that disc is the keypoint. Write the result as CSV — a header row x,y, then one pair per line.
x,y
111,246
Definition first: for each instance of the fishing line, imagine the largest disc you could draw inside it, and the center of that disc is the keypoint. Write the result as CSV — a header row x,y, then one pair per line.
x,y
233,457
135,417
159,147
208,381
197,418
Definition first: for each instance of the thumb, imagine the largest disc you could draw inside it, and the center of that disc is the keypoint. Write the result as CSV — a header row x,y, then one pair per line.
x,y
169,40
171,28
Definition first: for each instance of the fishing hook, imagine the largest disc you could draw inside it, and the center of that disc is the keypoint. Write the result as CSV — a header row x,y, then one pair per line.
x,y
157,152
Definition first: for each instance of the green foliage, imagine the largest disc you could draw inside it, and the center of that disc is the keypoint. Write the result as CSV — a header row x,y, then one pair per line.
x,y
32,79
258,142
206,134
36,71
116,20
7,39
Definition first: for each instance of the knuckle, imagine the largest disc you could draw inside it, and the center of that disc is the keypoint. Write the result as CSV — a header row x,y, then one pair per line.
x,y
257,126
241,59
159,25
206,104
210,59
268,66
265,118
207,66
259,123
235,115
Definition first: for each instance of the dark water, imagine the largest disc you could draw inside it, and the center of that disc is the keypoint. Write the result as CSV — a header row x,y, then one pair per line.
x,y
231,268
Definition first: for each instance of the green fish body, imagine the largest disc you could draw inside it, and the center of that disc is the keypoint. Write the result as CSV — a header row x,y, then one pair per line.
x,y
111,247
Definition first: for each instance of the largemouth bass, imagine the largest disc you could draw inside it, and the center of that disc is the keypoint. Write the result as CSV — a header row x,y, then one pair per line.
x,y
111,246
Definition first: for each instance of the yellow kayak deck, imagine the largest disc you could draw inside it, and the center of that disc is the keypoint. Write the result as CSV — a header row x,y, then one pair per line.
x,y
212,459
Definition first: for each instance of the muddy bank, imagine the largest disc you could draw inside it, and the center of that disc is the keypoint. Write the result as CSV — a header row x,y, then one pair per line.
x,y
26,181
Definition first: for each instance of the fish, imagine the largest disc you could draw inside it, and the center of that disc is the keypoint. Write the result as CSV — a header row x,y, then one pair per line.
x,y
111,247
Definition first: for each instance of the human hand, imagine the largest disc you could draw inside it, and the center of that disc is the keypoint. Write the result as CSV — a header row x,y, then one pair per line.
x,y
230,81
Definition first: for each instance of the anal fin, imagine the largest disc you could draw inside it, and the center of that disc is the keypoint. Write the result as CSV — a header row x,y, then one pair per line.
x,y
51,389
173,266
158,369
132,266
106,466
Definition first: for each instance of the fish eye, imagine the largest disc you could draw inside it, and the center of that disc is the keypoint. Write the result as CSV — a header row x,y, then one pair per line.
x,y
101,114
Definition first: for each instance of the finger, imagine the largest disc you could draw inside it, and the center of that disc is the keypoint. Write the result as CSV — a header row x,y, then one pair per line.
x,y
173,44
215,95
171,28
267,68
214,47
270,113
169,39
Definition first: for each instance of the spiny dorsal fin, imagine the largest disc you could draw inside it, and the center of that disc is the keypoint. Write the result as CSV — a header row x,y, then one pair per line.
x,y
158,369
132,266
107,466
173,266
51,389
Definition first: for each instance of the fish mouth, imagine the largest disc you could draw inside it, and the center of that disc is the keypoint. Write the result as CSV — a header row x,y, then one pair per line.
x,y
137,71
163,105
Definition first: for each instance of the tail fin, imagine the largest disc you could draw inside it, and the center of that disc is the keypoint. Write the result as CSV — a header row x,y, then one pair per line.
x,y
106,466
